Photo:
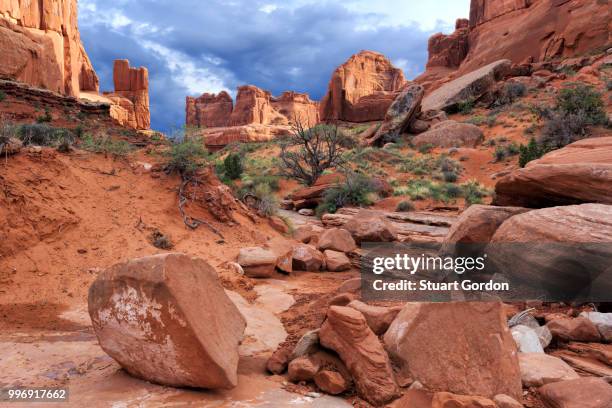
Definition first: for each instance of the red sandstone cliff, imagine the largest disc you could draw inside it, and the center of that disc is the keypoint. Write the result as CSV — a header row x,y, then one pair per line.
x,y
521,31
40,45
362,89
253,106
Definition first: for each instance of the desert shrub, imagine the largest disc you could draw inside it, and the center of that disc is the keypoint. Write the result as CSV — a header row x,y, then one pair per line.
x,y
531,151
583,101
232,166
427,164
426,148
357,190
307,153
404,206
44,135
2,96
464,107
267,204
159,240
105,144
46,118
507,150
510,93
473,192
185,156
476,120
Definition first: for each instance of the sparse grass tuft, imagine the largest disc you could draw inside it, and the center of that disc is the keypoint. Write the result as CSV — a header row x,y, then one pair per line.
x,y
105,144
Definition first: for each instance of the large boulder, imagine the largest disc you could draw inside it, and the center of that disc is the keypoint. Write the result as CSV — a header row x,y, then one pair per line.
x,y
307,258
346,332
477,225
539,248
167,319
369,226
450,134
578,173
578,393
538,369
475,355
400,114
362,89
257,262
337,239
468,87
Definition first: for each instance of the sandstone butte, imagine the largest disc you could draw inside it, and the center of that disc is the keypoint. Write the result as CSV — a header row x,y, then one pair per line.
x,y
362,89
500,29
41,46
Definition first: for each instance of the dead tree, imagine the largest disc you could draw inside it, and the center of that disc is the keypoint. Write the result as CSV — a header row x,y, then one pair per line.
x,y
307,153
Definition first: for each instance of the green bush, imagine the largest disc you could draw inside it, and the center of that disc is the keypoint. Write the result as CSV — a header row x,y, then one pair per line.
x,y
267,204
357,190
186,156
232,166
44,135
46,118
426,148
532,151
2,96
464,107
404,206
473,192
509,93
582,100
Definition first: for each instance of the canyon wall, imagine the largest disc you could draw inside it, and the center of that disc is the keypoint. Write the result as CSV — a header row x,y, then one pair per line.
x,y
41,46
362,89
522,31
254,106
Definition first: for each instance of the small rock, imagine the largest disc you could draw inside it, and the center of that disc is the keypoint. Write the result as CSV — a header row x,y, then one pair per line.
x,y
235,268
447,400
306,212
506,401
331,382
336,261
578,393
278,224
307,258
526,339
306,233
379,318
257,262
603,322
277,363
302,369
576,329
336,239
538,369
306,345
342,299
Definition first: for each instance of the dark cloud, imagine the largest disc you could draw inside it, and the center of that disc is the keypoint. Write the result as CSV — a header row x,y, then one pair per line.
x,y
237,43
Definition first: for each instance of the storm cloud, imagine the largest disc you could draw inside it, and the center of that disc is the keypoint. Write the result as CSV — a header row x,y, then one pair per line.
x,y
192,46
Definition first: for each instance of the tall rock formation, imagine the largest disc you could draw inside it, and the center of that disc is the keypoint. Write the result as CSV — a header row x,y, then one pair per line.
x,y
362,89
521,31
40,45
254,106
131,97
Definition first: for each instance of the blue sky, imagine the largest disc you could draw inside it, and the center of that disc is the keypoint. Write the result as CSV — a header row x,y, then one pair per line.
x,y
196,46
